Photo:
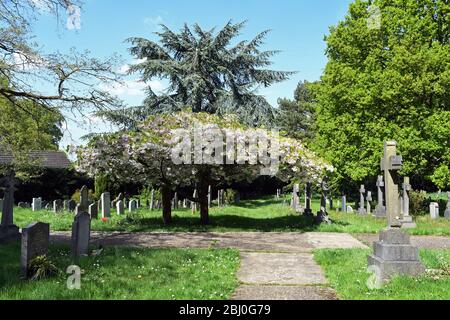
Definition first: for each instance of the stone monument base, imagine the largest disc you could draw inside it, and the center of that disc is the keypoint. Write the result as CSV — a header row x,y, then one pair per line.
x,y
380,213
394,255
408,223
9,234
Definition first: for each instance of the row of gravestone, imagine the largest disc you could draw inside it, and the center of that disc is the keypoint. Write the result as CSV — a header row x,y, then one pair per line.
x,y
36,239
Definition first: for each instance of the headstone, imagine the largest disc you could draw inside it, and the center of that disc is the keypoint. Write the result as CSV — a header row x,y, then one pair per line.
x,y
152,199
434,210
120,208
65,205
106,205
35,241
48,206
361,209
81,230
295,197
57,206
380,210
447,210
36,205
308,197
344,204
93,210
23,205
8,231
84,199
407,220
369,200
194,204
132,206
350,209
322,215
209,196
393,253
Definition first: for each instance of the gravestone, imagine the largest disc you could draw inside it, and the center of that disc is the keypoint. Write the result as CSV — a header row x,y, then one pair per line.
x,y
361,209
447,210
23,205
84,199
71,205
48,206
132,206
369,200
434,210
57,206
380,210
35,241
393,253
295,197
350,209
209,196
8,231
344,204
65,205
407,220
81,231
36,205
78,209
120,208
152,199
93,210
322,215
105,205
308,197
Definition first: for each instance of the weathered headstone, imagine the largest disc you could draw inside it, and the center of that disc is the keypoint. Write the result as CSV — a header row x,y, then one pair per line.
x,y
35,241
380,210
369,200
308,197
434,210
84,199
36,205
322,215
81,231
344,204
105,205
120,207
57,206
8,231
407,220
447,210
361,209
93,210
296,197
71,205
132,206
350,209
393,253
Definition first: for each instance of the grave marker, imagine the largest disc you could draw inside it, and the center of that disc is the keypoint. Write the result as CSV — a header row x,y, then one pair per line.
x,y
36,204
81,230
434,210
380,210
93,210
35,241
361,209
105,200
120,208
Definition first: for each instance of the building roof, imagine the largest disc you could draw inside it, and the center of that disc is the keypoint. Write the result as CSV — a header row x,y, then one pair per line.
x,y
48,159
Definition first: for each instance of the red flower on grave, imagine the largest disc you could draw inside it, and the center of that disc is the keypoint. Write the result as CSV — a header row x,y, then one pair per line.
x,y
105,219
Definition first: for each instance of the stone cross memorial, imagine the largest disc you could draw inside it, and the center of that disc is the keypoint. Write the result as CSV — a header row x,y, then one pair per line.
x,y
105,200
8,231
407,221
393,253
35,240
380,210
81,230
308,196
369,200
361,209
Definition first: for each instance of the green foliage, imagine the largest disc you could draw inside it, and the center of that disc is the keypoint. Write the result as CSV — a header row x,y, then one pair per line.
x,y
100,184
391,83
231,196
296,117
418,202
41,267
205,72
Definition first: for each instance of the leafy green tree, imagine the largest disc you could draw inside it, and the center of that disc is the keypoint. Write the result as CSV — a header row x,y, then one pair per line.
x,y
388,81
296,117
204,72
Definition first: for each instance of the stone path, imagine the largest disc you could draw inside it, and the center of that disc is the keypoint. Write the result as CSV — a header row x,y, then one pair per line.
x,y
425,242
274,266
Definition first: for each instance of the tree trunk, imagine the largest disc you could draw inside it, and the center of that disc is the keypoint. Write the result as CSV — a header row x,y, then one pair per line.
x,y
166,195
203,200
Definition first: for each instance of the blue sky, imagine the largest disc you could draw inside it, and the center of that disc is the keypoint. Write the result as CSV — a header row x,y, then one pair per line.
x,y
298,29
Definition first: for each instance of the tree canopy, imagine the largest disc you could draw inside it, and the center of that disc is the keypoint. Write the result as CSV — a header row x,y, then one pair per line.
x,y
205,70
388,83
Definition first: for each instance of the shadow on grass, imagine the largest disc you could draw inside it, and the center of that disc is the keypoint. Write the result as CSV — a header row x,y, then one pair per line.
x,y
224,223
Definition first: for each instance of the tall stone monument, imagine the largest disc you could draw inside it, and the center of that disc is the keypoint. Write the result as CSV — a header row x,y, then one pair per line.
x,y
369,200
393,253
380,210
322,215
308,197
361,209
407,221
344,203
105,200
8,230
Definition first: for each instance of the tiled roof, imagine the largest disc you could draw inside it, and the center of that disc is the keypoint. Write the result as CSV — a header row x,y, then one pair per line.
x,y
48,159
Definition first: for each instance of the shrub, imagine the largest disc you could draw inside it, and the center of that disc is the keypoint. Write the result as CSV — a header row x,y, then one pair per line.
x,y
41,267
231,196
418,202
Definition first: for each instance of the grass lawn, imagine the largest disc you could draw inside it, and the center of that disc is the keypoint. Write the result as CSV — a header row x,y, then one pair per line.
x,y
122,273
256,215
346,271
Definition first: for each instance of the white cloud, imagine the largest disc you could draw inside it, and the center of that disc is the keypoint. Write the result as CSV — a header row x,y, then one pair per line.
x,y
154,22
133,88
